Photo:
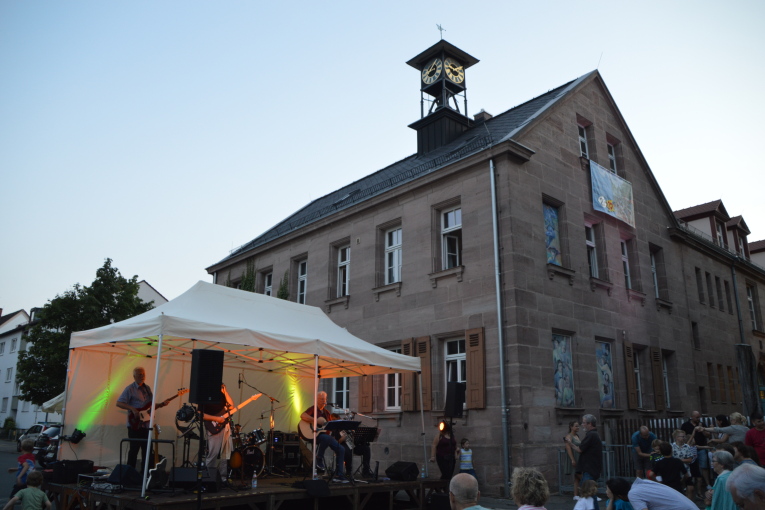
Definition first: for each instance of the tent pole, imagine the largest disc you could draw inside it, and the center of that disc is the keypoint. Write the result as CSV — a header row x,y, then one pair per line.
x,y
422,418
63,405
315,410
151,421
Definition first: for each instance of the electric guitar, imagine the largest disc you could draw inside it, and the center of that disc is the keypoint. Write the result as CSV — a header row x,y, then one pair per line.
x,y
213,427
144,413
157,475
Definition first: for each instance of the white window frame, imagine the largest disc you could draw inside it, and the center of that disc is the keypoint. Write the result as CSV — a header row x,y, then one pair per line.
x,y
665,377
25,406
720,234
456,361
2,348
341,392
343,270
4,407
626,263
592,249
393,242
268,284
451,234
584,148
750,298
393,388
9,374
741,246
654,275
638,383
302,282
14,344
612,158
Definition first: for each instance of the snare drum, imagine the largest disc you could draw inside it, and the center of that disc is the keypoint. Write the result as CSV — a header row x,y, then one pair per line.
x,y
257,437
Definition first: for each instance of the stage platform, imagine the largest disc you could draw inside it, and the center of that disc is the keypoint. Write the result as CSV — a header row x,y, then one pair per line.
x,y
271,494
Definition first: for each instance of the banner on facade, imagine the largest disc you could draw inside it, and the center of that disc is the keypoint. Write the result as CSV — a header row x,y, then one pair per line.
x,y
612,194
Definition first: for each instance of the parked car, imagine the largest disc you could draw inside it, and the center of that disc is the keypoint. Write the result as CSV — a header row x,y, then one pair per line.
x,y
34,432
46,446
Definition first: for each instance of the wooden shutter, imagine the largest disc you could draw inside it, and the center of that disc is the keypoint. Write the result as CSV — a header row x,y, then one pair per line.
x,y
476,369
422,350
629,372
658,379
365,394
408,385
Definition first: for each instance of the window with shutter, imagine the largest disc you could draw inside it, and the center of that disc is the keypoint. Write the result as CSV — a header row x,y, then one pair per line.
x,y
422,349
408,385
365,394
629,371
476,369
657,373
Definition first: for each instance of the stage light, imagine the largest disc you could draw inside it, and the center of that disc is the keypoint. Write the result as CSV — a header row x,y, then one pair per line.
x,y
443,425
77,436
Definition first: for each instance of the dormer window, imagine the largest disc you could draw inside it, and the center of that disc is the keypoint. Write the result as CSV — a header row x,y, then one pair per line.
x,y
720,234
741,244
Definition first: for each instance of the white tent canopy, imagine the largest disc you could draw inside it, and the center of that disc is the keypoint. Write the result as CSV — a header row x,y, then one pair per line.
x,y
54,405
272,334
275,346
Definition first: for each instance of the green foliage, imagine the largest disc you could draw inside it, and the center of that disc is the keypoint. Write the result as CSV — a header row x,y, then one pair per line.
x,y
248,277
41,370
228,280
283,292
9,423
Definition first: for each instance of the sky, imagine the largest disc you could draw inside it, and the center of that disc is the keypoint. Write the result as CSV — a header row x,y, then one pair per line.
x,y
164,134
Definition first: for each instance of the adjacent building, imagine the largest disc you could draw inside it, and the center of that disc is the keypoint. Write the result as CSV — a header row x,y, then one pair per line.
x,y
533,257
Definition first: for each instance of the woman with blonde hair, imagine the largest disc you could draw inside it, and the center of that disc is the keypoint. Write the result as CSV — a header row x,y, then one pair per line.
x,y
736,431
572,456
530,490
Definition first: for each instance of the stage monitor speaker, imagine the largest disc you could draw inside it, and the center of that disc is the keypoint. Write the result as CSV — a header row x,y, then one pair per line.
x,y
403,471
206,376
455,398
124,475
186,478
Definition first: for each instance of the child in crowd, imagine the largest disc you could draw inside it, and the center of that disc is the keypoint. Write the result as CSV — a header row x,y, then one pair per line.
x,y
654,457
670,470
587,496
26,464
465,456
32,498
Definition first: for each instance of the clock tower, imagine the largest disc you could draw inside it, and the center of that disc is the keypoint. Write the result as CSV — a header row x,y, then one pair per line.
x,y
442,85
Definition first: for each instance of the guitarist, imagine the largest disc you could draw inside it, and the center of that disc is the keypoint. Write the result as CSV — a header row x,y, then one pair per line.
x,y
324,439
219,445
134,397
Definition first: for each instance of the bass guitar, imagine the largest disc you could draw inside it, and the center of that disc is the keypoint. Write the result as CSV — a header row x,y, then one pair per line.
x,y
144,413
213,427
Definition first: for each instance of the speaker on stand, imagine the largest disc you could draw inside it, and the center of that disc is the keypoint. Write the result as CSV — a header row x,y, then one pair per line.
x,y
206,376
455,399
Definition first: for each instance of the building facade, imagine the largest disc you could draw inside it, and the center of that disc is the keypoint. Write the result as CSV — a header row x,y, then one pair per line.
x,y
592,307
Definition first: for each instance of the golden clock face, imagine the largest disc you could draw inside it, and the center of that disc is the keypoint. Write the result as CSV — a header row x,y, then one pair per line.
x,y
432,71
454,70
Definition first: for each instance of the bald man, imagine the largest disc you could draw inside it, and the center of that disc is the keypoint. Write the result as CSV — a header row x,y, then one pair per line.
x,y
464,493
641,443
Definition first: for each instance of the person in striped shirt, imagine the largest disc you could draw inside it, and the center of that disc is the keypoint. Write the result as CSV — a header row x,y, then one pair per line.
x,y
465,456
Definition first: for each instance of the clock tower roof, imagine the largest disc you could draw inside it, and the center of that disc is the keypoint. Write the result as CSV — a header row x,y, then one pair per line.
x,y
440,47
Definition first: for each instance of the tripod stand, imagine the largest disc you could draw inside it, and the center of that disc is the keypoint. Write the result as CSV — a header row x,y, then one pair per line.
x,y
270,470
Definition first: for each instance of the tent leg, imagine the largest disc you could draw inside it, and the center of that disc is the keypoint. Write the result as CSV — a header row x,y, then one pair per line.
x,y
422,419
144,483
315,413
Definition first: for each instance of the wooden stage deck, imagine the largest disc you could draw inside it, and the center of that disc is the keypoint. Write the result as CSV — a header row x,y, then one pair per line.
x,y
271,494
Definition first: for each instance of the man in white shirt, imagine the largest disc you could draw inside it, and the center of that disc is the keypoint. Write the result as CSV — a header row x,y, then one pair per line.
x,y
648,495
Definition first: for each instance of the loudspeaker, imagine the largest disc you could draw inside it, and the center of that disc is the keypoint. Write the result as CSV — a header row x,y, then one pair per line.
x,y
66,471
439,501
403,471
126,476
186,478
288,456
206,376
455,398
317,488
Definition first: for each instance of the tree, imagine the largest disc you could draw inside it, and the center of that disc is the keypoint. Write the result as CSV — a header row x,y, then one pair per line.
x,y
41,369
248,277
283,292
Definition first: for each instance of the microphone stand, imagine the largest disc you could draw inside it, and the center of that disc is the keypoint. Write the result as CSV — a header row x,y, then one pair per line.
x,y
269,468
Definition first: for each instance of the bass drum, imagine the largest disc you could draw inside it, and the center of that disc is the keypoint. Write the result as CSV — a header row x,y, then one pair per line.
x,y
253,461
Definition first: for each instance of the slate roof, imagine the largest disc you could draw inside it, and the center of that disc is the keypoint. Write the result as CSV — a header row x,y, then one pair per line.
x,y
6,318
481,136
701,210
738,222
757,246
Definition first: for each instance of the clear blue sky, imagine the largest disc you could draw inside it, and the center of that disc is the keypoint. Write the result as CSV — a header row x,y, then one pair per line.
x,y
164,134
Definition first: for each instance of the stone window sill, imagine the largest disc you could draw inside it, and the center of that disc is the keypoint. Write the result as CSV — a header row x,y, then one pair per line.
x,y
553,269
636,295
387,288
454,271
341,300
663,303
603,284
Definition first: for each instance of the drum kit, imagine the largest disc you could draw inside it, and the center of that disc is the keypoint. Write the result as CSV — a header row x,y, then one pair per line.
x,y
247,456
